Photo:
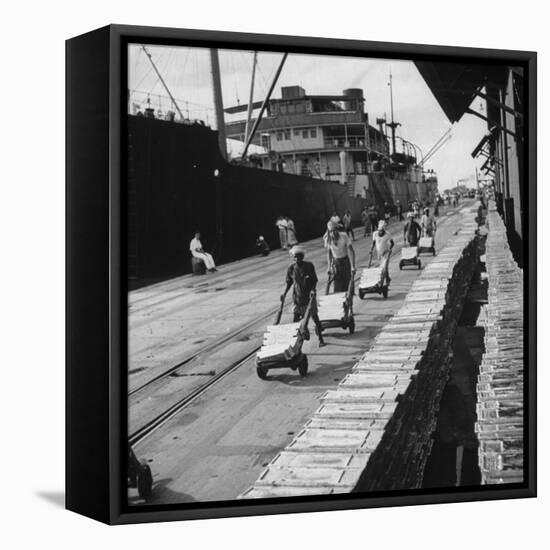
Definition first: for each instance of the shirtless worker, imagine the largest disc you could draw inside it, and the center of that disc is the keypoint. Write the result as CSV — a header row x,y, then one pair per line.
x,y
302,275
340,257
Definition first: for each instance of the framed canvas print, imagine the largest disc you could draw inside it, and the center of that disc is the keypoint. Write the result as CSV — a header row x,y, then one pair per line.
x,y
300,274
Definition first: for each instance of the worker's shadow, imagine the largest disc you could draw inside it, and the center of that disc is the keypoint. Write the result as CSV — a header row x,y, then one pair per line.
x,y
161,494
319,375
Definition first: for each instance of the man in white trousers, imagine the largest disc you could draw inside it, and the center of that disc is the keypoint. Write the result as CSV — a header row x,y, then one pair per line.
x,y
197,252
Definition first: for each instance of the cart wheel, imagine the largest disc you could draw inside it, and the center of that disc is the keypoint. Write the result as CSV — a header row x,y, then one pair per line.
x,y
419,264
145,481
385,291
351,325
302,367
261,372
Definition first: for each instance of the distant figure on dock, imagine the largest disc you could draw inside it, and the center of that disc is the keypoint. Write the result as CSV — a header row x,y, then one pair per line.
x,y
399,210
365,220
411,231
262,246
346,220
373,218
197,251
387,212
428,224
283,231
302,275
383,242
291,237
340,257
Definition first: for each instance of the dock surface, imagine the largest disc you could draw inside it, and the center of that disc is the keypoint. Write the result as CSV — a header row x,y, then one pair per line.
x,y
195,338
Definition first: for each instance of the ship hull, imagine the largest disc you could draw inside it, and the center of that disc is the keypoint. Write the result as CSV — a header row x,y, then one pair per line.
x,y
178,183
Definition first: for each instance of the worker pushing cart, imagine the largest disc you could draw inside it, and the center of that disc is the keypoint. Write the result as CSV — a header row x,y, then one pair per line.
x,y
340,257
302,276
428,226
382,241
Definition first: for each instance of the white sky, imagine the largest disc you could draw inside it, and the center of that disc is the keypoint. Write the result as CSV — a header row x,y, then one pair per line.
x,y
186,71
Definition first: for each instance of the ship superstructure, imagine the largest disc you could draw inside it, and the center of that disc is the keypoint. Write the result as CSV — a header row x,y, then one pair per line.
x,y
329,137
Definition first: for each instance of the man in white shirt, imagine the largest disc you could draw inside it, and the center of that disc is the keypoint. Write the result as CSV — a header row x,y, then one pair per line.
x,y
384,244
282,226
197,252
340,257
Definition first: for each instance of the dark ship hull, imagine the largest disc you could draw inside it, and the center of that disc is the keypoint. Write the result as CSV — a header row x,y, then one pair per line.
x,y
179,183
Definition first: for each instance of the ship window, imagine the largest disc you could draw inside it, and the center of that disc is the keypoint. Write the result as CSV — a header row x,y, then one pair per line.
x,y
291,108
304,134
313,133
287,134
296,133
279,136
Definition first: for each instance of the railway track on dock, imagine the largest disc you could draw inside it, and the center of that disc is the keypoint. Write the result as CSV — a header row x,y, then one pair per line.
x,y
203,350
156,422
172,405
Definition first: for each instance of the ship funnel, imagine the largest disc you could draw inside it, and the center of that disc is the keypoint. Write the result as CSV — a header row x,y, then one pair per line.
x,y
354,99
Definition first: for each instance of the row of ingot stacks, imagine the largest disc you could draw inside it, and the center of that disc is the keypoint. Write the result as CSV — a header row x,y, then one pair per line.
x,y
429,316
500,419
373,432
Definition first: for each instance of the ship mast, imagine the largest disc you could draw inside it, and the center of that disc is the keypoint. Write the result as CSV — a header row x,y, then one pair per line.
x,y
218,102
251,97
393,125
264,105
162,81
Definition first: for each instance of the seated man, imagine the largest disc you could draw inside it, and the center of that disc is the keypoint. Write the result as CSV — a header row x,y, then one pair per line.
x,y
262,246
384,244
197,252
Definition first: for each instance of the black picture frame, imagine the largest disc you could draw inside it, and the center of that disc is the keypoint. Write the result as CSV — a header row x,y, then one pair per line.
x,y
96,286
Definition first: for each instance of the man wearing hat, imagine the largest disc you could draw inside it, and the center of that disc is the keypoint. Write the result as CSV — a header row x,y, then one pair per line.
x,y
340,256
302,275
384,244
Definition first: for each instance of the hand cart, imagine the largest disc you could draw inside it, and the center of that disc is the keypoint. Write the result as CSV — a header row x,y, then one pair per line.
x,y
409,256
282,345
139,475
426,244
371,277
336,310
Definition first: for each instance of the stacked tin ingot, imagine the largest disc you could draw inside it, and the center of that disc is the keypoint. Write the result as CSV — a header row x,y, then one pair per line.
x,y
500,419
374,431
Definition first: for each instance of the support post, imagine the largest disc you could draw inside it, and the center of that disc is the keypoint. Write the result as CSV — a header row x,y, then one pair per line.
x,y
218,103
